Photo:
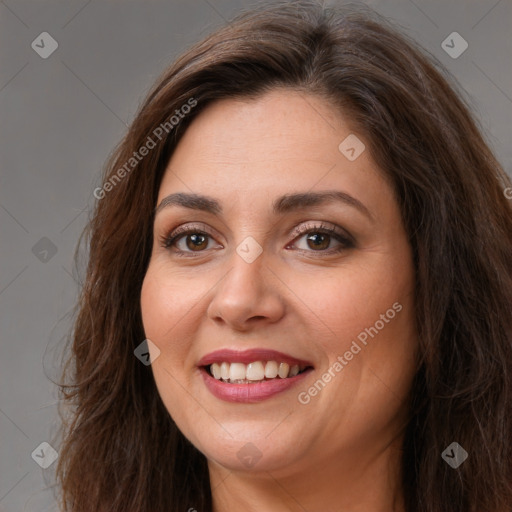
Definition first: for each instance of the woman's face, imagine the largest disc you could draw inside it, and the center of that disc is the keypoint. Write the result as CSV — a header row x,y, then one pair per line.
x,y
283,251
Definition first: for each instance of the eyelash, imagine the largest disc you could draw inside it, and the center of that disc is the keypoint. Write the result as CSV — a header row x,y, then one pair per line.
x,y
346,241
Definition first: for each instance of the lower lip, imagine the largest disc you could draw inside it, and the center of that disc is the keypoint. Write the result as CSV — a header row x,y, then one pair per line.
x,y
250,393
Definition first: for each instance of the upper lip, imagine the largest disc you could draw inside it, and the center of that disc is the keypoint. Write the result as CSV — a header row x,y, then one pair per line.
x,y
249,356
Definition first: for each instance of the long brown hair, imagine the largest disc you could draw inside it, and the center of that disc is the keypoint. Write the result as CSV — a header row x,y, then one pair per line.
x,y
121,450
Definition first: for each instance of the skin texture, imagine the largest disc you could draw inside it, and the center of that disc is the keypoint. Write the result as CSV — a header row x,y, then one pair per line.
x,y
341,450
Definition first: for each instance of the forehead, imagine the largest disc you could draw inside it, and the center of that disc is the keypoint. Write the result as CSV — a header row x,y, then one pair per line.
x,y
253,149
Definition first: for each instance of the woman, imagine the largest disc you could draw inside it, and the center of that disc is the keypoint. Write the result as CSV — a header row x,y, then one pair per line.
x,y
299,286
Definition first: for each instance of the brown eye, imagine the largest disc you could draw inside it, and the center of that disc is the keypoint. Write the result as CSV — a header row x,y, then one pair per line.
x,y
322,239
196,241
187,241
318,241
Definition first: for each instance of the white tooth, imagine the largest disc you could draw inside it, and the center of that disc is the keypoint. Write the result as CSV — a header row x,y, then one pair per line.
x,y
224,371
294,370
215,369
255,371
271,369
283,370
237,371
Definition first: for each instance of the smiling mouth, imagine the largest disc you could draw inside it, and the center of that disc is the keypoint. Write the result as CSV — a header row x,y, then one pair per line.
x,y
255,372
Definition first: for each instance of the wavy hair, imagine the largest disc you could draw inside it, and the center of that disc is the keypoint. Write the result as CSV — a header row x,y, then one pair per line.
x,y
121,449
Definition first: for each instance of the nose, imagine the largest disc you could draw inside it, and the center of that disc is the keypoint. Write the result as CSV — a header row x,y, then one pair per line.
x,y
247,296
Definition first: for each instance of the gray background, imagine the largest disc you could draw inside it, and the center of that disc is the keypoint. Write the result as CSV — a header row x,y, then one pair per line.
x,y
60,118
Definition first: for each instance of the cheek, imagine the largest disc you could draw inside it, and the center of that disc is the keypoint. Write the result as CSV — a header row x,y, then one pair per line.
x,y
377,342
164,306
156,306
340,305
368,316
167,304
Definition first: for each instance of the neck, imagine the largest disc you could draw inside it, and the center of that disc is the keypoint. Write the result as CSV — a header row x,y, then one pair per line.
x,y
357,481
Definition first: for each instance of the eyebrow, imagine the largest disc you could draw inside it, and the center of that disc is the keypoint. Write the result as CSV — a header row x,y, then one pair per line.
x,y
283,204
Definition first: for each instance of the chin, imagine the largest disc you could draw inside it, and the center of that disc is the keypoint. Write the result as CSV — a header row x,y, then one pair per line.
x,y
254,450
